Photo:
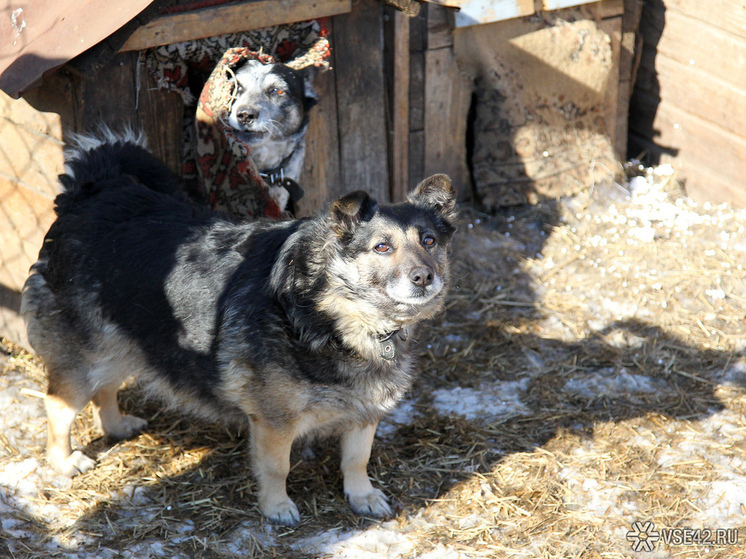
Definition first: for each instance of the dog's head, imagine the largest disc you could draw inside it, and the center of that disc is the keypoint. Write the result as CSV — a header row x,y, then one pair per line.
x,y
394,258
271,101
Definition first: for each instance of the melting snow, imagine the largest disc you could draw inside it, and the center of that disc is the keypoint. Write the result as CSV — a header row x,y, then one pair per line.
x,y
385,540
615,384
498,401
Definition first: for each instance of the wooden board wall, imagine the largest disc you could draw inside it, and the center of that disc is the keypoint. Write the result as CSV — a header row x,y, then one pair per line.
x,y
687,105
439,100
346,143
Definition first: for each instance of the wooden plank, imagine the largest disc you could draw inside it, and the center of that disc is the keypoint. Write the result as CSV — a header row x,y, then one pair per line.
x,y
621,139
439,27
55,97
320,180
705,184
399,153
725,14
159,115
617,132
701,182
418,30
689,41
447,99
687,138
109,97
696,91
632,12
417,91
358,63
608,8
628,59
230,18
416,157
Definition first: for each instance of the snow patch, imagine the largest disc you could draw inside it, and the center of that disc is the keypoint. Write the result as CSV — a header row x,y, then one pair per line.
x,y
499,401
615,384
735,375
379,542
596,498
400,415
723,505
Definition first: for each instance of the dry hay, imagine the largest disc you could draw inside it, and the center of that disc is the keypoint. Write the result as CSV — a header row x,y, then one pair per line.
x,y
618,320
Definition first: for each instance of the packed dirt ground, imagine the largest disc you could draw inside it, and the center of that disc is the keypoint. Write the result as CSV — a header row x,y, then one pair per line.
x,y
582,395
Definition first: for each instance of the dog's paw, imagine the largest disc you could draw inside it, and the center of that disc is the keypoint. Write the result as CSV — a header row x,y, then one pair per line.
x,y
284,513
76,463
373,503
127,427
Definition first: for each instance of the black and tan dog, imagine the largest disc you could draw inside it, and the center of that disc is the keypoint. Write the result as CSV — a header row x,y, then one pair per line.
x,y
303,327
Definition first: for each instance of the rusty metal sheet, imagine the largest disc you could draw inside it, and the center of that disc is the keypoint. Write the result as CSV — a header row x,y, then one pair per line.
x,y
38,35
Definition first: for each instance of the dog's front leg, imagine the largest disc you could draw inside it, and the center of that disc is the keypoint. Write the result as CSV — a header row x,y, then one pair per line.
x,y
364,498
270,453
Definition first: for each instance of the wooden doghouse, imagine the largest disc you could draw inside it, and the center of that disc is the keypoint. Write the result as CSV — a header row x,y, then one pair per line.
x,y
396,107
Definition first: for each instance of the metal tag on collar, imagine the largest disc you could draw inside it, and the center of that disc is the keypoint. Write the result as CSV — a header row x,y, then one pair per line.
x,y
388,349
388,346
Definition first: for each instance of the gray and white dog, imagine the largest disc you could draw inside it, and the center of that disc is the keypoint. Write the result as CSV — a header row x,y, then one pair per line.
x,y
270,115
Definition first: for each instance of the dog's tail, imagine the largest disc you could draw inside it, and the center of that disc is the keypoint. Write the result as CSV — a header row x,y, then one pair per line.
x,y
105,155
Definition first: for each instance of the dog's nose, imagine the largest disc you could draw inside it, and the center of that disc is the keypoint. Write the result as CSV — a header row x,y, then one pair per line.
x,y
421,276
246,116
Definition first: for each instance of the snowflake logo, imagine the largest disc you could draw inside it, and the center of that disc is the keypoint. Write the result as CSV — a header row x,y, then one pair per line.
x,y
643,536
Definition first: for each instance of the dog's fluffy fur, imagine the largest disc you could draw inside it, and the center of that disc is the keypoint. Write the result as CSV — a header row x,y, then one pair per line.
x,y
301,327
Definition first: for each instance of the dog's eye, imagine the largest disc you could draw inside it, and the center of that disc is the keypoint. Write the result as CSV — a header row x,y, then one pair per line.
x,y
277,91
428,241
382,247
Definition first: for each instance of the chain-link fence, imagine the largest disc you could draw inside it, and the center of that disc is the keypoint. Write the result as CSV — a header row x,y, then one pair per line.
x,y
30,160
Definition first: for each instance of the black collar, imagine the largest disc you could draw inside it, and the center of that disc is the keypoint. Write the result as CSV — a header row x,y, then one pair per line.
x,y
276,177
277,174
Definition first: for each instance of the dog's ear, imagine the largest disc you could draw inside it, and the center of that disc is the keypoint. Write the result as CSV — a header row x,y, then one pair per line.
x,y
310,95
351,210
436,193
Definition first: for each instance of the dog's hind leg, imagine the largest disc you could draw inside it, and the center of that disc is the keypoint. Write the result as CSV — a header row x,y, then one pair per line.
x,y
364,499
109,419
63,404
270,453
